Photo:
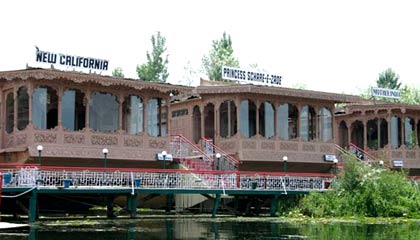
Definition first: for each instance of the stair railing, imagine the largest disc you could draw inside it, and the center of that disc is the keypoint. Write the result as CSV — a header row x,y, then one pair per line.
x,y
190,155
225,161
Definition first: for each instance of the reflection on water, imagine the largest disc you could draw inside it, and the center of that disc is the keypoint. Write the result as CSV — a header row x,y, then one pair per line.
x,y
209,228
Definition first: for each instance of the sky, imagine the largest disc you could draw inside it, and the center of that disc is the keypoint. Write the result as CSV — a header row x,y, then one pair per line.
x,y
324,45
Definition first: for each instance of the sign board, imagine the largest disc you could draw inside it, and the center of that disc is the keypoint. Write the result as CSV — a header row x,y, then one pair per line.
x,y
330,158
386,93
168,157
71,60
250,76
398,163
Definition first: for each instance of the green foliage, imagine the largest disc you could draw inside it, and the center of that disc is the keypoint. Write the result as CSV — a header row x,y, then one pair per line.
x,y
388,79
361,190
118,72
410,95
287,204
220,55
155,70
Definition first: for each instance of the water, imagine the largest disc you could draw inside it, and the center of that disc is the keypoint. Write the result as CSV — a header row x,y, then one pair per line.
x,y
209,228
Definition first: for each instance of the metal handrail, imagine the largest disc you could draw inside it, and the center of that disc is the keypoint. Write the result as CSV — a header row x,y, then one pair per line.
x,y
189,154
369,156
56,177
232,163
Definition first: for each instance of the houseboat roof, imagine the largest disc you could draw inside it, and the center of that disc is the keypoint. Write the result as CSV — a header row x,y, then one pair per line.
x,y
277,91
79,77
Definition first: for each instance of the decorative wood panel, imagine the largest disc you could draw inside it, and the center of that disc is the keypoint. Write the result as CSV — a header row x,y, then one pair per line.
x,y
290,146
410,154
21,139
308,147
74,139
133,142
249,145
45,137
104,140
396,154
268,145
157,144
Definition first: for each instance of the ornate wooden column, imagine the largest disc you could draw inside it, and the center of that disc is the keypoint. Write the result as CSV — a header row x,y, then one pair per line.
x,y
388,119
229,118
257,119
364,121
2,116
168,114
145,107
403,127
238,115
60,94
378,129
202,118
120,100
317,128
15,110
349,130
30,93
216,122
87,107
415,131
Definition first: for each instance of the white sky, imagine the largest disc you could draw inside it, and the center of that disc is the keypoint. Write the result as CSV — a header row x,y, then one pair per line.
x,y
334,46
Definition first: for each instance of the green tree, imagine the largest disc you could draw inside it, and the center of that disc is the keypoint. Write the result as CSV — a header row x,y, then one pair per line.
x,y
388,79
221,54
410,95
155,70
118,72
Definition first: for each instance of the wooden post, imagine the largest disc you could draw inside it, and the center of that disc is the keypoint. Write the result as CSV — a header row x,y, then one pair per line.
x,y
33,206
215,205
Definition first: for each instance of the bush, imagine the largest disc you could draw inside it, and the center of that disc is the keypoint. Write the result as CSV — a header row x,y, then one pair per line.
x,y
360,190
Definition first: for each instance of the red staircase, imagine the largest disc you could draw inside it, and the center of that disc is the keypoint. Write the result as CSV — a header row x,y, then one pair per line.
x,y
222,160
187,153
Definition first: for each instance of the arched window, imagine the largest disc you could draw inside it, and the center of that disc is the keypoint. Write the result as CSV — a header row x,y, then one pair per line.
x,y
196,124
248,123
22,108
133,114
307,123
156,117
227,112
287,119
325,124
266,120
103,112
343,135
209,121
372,134
383,128
44,108
395,132
409,134
73,110
418,132
357,133
10,113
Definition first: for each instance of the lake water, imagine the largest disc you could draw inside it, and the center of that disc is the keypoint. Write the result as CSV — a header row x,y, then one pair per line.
x,y
193,227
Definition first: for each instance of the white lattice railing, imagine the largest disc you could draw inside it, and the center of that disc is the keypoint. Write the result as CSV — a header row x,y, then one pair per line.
x,y
158,179
189,154
225,162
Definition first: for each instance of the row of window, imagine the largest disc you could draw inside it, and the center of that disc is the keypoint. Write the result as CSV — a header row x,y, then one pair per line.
x,y
284,121
103,111
377,133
